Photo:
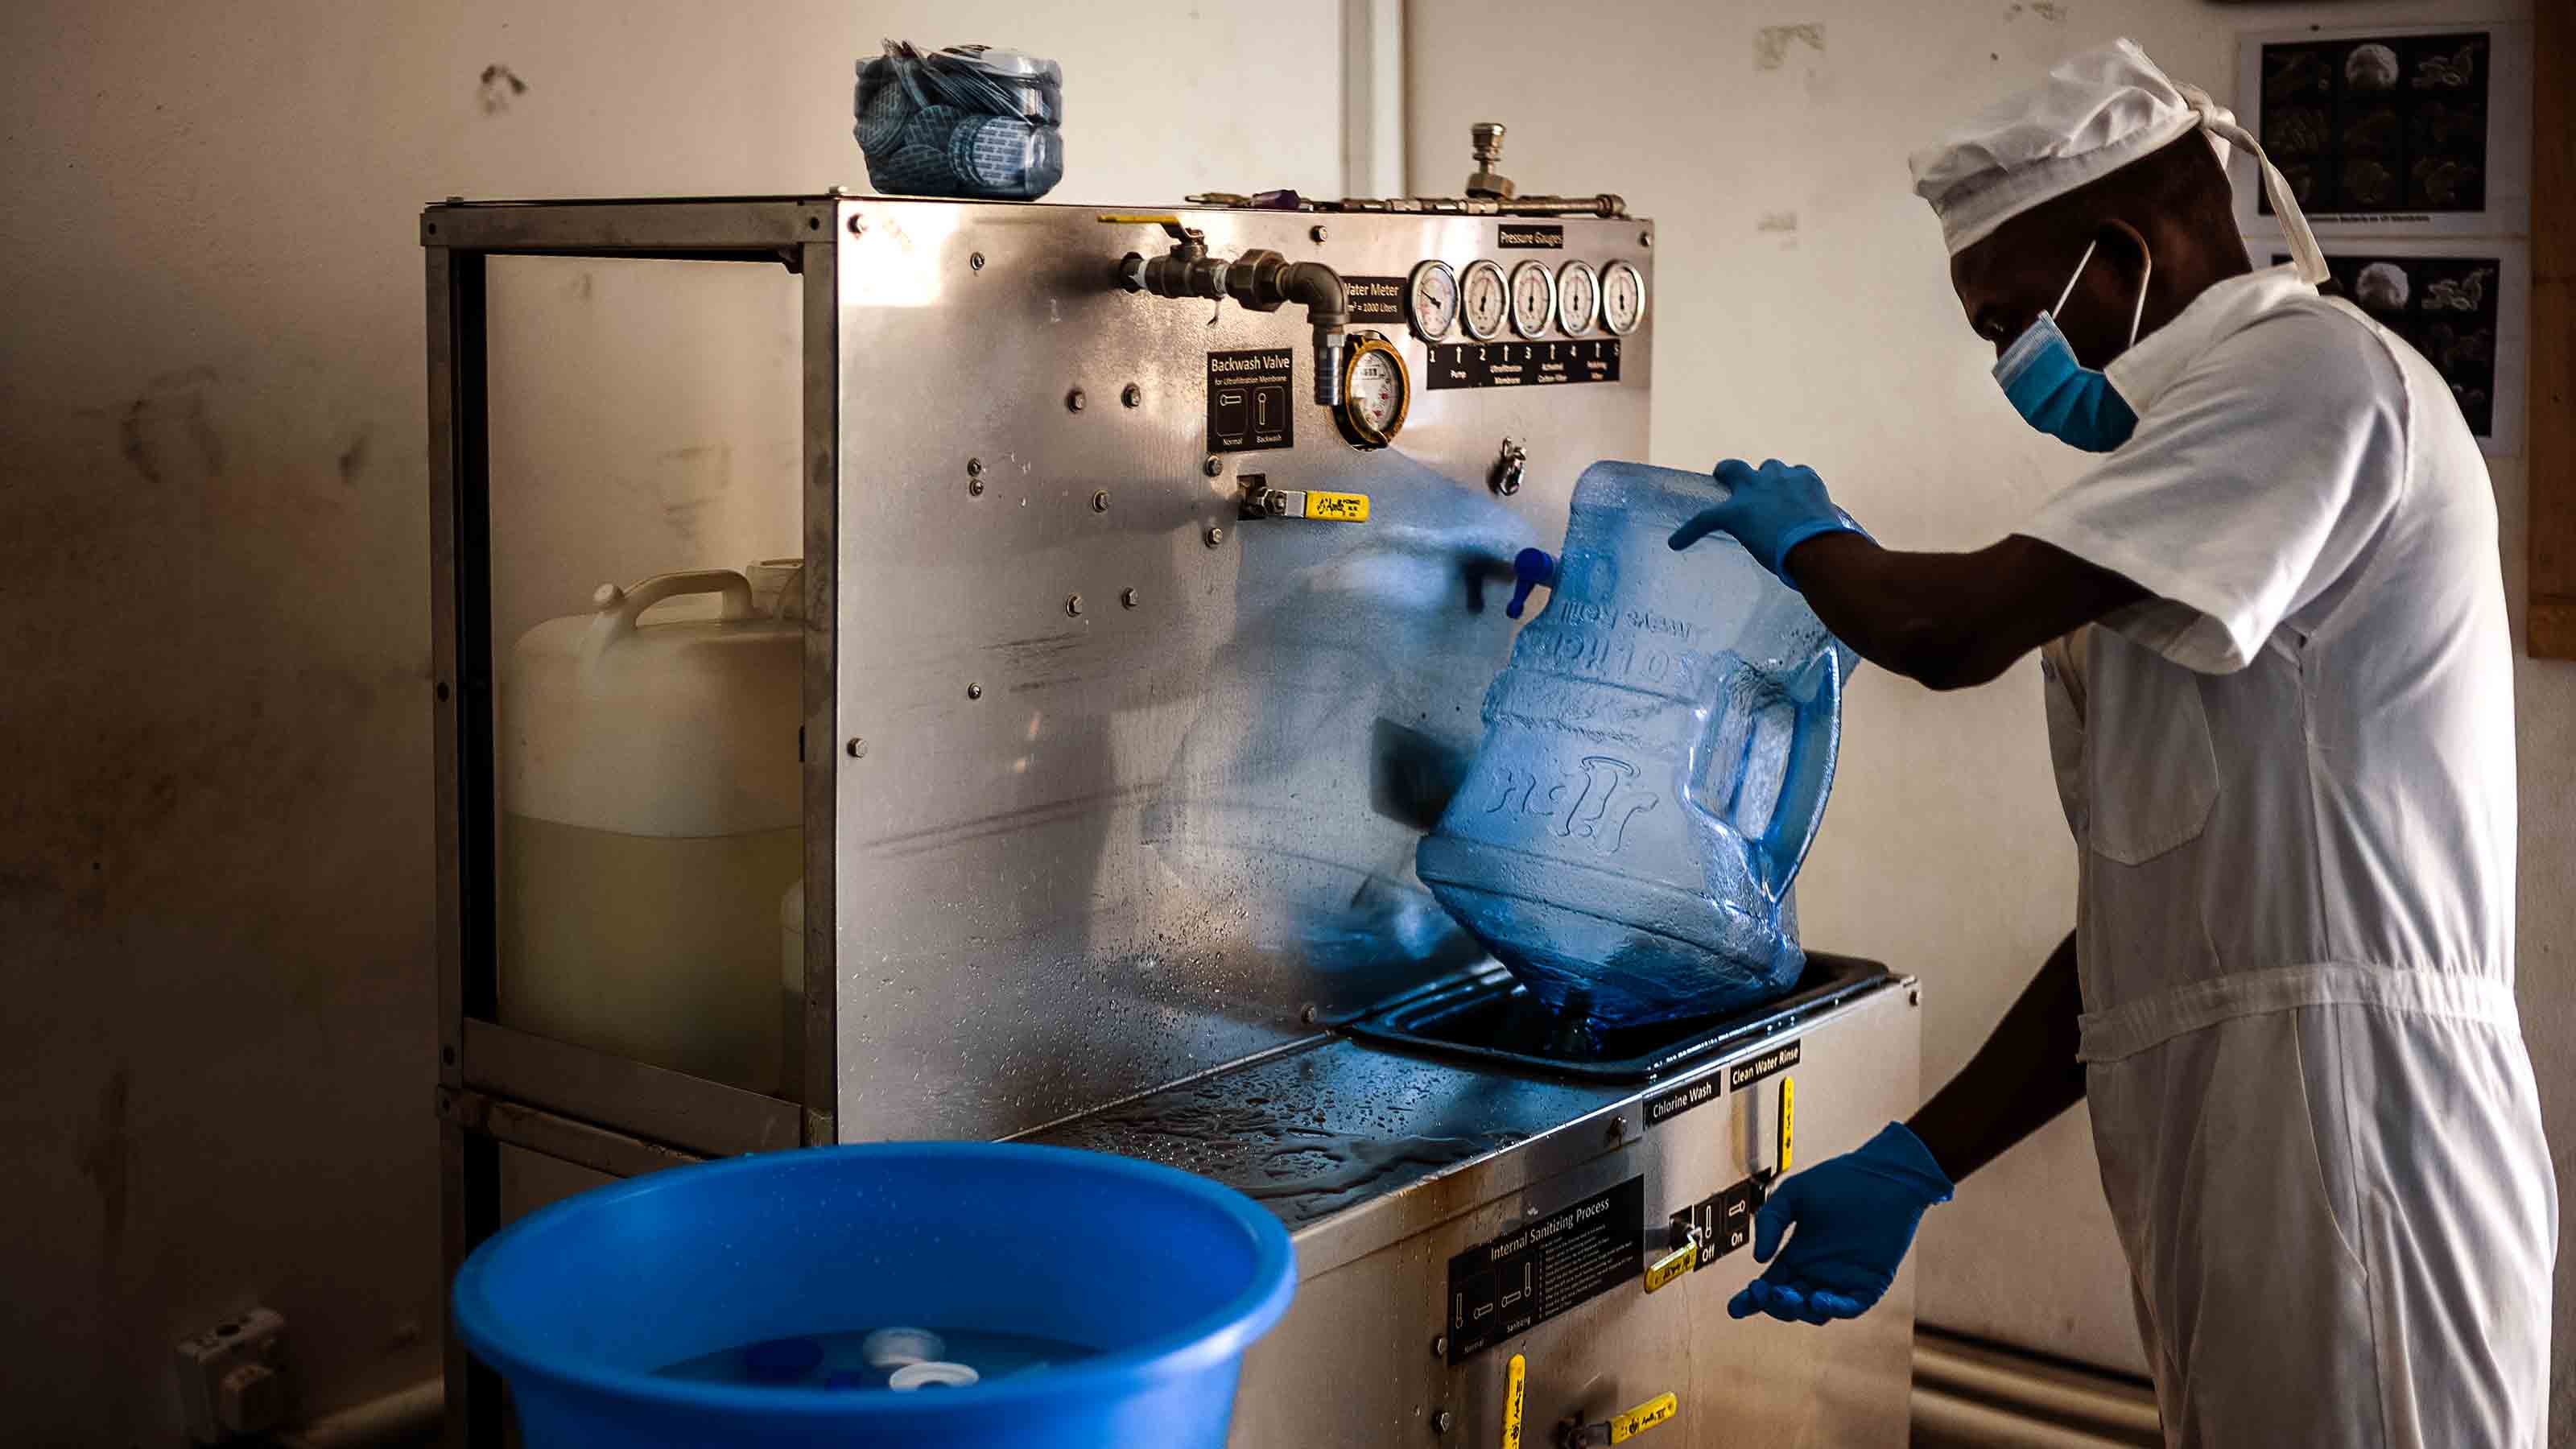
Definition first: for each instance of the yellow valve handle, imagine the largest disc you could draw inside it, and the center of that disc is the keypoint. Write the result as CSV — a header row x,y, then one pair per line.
x,y
1338,507
1673,1264
1138,218
1788,1118
1515,1396
1663,1408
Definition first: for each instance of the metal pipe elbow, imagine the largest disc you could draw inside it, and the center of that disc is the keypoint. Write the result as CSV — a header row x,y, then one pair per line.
x,y
1328,310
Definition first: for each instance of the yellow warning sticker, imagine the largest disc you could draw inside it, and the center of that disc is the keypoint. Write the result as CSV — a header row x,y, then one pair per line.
x,y
1338,507
1657,1410
1515,1391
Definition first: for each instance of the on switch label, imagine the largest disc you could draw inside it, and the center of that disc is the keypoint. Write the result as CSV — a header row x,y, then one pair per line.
x,y
1248,395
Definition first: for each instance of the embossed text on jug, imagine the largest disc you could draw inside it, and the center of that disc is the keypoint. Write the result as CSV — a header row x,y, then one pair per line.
x,y
1591,817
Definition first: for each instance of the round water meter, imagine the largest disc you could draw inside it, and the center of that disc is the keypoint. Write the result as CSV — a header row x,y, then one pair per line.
x,y
1533,298
1376,393
1578,297
1431,300
1484,300
1623,298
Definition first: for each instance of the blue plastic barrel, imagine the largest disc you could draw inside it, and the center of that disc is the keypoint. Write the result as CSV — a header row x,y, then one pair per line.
x,y
1169,1276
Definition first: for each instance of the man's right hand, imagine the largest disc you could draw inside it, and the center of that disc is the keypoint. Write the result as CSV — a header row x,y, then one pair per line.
x,y
1854,1217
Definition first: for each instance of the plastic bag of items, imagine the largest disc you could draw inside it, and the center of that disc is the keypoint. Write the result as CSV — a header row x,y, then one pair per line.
x,y
968,121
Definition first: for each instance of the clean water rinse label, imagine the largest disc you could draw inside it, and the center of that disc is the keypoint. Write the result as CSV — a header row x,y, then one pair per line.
x,y
1544,1267
1753,1069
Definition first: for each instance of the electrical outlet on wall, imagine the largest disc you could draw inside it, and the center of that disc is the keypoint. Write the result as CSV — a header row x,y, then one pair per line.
x,y
232,1377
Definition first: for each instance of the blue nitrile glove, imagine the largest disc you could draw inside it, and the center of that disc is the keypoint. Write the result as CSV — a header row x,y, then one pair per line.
x,y
1855,1216
1770,510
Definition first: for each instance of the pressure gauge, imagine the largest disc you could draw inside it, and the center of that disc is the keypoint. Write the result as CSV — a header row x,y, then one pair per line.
x,y
1578,297
1623,298
1376,393
1533,298
1484,300
1431,300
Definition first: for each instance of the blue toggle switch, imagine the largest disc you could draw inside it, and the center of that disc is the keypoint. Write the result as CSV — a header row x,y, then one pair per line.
x,y
1529,570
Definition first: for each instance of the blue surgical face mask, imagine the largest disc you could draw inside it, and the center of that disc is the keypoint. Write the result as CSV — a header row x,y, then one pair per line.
x,y
2059,395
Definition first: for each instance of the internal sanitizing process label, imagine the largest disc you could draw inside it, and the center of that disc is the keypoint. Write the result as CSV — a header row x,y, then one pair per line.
x,y
1544,1267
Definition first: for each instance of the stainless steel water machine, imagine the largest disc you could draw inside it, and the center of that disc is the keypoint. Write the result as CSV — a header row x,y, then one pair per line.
x,y
1154,565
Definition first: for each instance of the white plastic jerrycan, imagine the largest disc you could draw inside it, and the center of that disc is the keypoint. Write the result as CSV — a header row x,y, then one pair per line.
x,y
651,818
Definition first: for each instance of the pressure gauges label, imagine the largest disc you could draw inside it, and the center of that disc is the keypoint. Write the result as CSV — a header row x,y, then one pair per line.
x,y
1249,393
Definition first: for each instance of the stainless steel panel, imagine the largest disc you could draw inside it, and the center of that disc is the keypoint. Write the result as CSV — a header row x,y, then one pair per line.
x,y
1354,1362
665,1106
1146,839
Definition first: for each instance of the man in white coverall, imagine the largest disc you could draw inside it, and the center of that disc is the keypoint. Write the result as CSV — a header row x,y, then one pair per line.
x,y
2279,694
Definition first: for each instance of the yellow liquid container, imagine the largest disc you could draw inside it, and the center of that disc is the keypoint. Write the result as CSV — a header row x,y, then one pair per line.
x,y
651,820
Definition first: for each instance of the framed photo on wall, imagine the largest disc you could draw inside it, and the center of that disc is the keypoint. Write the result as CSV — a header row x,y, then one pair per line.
x,y
2465,305
2390,130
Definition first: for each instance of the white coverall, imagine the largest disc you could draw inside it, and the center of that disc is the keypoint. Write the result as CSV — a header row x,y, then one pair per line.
x,y
2291,775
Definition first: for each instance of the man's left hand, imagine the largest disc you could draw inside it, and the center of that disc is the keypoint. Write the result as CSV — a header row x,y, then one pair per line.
x,y
1770,510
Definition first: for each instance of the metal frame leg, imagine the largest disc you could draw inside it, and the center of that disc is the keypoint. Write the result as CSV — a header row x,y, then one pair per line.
x,y
460,648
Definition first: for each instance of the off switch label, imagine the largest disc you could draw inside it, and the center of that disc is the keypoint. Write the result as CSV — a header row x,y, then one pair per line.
x,y
1545,1267
1248,396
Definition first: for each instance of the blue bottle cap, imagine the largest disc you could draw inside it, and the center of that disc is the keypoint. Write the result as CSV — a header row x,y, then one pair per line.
x,y
1531,568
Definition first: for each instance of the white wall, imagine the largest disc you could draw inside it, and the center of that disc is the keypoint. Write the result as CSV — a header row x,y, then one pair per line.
x,y
216,1051
1803,311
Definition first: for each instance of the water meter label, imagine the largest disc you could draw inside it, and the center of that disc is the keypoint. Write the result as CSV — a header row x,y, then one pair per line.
x,y
1375,299
1665,1106
1523,236
1545,1267
1248,395
1753,1069
1520,364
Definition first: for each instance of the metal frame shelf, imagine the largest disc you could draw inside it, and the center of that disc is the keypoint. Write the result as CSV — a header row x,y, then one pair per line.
x,y
497,1086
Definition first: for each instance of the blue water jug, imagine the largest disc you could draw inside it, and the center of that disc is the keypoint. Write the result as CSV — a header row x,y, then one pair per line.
x,y
603,1311
1655,762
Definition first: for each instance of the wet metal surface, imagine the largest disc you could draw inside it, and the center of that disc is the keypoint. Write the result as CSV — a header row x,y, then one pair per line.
x,y
1331,1126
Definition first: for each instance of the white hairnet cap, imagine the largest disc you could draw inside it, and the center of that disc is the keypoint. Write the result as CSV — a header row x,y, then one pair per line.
x,y
2097,111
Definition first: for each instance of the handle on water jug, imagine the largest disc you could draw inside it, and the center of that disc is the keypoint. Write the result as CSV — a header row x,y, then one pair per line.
x,y
1800,808
620,608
